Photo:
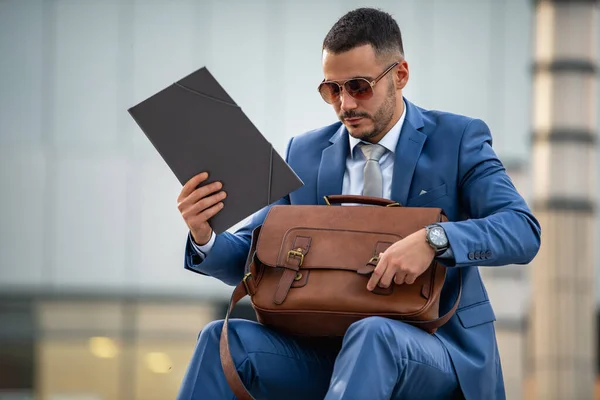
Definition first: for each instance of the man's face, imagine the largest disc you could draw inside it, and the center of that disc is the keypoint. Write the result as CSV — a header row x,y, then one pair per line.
x,y
366,119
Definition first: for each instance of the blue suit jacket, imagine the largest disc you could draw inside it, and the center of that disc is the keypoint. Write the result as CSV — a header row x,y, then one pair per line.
x,y
451,158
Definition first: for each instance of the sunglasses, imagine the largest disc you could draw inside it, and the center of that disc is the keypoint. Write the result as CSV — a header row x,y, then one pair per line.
x,y
357,88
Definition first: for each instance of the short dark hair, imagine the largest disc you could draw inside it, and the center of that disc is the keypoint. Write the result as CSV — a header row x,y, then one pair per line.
x,y
365,26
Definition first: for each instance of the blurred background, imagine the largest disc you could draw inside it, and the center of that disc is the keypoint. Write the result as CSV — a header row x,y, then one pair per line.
x,y
94,301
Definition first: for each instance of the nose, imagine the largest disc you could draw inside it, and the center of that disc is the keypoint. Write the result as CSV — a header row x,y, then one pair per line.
x,y
347,101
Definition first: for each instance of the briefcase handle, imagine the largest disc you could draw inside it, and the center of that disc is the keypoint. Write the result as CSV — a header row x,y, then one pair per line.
x,y
355,199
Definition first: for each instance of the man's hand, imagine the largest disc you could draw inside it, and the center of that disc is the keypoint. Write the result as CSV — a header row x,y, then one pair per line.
x,y
198,204
403,261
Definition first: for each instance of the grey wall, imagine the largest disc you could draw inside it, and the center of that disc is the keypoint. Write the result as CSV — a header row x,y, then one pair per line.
x,y
87,205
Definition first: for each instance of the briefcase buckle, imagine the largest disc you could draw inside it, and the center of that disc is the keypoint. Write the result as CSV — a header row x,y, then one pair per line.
x,y
296,253
246,277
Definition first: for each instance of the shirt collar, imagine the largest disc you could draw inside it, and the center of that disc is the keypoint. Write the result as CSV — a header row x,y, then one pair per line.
x,y
389,141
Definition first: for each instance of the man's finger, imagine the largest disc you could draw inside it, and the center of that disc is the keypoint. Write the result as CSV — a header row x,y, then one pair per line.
x,y
198,196
191,185
377,273
203,192
388,276
409,279
206,202
400,277
211,212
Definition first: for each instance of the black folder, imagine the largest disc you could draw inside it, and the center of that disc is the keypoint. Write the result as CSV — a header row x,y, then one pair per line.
x,y
196,126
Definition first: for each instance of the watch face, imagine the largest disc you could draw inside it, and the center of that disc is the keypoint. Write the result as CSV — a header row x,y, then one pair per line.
x,y
438,237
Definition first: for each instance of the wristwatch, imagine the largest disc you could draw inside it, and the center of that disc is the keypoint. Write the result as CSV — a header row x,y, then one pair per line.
x,y
436,238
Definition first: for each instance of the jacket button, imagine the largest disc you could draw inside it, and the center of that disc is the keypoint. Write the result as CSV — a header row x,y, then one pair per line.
x,y
477,255
471,255
488,254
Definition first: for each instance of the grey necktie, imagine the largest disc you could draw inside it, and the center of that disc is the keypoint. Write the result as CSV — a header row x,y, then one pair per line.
x,y
373,180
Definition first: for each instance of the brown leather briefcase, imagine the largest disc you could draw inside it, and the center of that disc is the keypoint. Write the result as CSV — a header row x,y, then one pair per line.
x,y
308,268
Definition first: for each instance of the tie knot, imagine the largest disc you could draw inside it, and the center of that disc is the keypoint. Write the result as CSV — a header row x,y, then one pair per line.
x,y
372,151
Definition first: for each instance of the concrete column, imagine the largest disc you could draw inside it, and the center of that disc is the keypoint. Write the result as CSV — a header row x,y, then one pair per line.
x,y
564,194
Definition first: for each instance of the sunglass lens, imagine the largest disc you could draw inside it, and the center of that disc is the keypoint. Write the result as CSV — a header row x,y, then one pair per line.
x,y
329,91
360,89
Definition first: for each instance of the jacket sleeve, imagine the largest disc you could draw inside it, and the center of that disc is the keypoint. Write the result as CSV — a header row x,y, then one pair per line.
x,y
500,229
226,259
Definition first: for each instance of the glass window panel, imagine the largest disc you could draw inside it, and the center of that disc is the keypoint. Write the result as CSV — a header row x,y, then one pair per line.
x,y
160,366
76,369
174,319
100,317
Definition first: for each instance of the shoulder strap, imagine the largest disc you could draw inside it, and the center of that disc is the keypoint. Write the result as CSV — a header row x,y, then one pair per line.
x,y
233,378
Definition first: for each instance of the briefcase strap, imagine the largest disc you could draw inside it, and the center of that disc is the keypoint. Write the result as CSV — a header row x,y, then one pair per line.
x,y
436,323
233,378
231,374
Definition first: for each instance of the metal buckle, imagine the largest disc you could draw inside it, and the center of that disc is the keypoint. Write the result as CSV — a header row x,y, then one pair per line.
x,y
374,260
296,253
248,275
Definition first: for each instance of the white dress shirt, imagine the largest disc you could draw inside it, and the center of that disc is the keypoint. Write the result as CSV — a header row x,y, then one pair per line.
x,y
355,162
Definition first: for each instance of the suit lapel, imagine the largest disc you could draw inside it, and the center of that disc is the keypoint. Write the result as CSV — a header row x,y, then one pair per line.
x,y
332,167
408,150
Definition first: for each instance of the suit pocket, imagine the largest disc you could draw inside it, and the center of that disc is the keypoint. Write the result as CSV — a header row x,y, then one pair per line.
x,y
476,314
429,197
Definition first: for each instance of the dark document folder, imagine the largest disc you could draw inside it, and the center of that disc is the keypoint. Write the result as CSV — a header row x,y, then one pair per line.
x,y
195,126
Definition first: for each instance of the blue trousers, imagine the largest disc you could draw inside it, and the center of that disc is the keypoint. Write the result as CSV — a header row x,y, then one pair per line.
x,y
378,358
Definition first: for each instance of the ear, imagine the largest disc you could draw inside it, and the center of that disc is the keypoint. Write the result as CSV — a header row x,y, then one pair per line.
x,y
402,75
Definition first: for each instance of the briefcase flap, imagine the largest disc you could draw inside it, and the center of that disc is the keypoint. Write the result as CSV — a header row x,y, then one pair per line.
x,y
336,237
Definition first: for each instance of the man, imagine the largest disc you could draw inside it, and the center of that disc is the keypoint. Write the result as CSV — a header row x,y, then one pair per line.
x,y
420,158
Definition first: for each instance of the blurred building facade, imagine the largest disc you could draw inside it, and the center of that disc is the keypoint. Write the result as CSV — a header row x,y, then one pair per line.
x,y
94,301
564,127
